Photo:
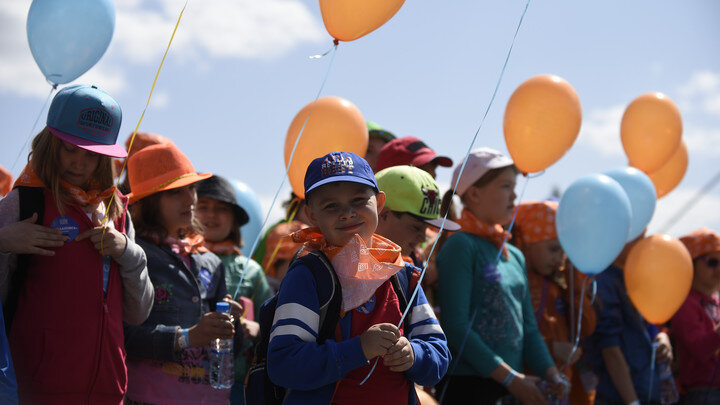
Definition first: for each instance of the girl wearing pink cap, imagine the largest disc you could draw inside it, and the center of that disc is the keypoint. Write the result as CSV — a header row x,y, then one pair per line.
x,y
484,298
69,282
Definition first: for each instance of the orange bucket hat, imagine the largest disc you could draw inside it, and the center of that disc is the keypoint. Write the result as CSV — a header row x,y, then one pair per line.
x,y
281,244
142,141
536,221
158,168
701,242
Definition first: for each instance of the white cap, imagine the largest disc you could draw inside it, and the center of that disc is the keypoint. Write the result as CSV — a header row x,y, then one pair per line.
x,y
479,162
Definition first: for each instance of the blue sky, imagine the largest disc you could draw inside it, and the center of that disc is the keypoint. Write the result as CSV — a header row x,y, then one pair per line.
x,y
239,71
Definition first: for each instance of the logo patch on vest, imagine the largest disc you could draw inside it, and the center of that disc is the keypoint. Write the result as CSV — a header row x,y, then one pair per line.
x,y
367,307
206,278
67,226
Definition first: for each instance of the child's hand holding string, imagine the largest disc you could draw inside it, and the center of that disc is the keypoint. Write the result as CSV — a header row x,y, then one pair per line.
x,y
378,339
26,237
107,240
400,357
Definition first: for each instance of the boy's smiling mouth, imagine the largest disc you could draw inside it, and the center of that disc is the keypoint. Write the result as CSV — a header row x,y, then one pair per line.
x,y
350,228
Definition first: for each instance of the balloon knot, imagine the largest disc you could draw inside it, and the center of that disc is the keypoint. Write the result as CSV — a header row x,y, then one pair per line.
x,y
336,41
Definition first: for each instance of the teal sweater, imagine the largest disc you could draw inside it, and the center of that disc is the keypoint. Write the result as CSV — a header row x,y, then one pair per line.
x,y
504,328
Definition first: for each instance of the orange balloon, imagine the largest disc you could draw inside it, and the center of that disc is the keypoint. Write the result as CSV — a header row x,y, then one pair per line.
x,y
672,172
650,131
333,124
348,20
542,121
658,276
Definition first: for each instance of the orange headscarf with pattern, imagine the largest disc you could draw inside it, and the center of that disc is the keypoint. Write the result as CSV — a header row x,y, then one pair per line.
x,y
79,196
535,221
6,181
701,242
494,233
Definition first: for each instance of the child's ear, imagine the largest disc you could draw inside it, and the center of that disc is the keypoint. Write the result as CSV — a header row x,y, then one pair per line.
x,y
309,214
380,198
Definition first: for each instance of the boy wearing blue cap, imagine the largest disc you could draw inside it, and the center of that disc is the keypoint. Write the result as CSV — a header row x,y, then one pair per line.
x,y
343,201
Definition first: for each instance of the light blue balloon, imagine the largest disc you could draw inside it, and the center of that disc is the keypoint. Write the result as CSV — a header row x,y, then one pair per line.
x,y
247,199
593,221
68,37
641,192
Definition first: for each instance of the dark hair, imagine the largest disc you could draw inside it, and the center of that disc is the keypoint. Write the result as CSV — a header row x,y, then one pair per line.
x,y
44,159
146,219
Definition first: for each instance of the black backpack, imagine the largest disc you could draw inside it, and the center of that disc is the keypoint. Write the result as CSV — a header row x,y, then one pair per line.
x,y
259,389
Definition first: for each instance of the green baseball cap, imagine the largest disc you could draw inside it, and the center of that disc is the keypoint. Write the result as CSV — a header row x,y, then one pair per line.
x,y
379,132
414,191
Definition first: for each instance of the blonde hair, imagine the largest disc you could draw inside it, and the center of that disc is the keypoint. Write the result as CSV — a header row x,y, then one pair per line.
x,y
44,159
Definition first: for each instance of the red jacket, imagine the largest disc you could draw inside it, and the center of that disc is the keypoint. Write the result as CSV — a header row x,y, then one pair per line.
x,y
67,335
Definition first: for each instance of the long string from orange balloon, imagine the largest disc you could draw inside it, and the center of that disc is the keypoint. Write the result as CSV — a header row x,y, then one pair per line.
x,y
32,130
132,138
292,155
462,169
294,208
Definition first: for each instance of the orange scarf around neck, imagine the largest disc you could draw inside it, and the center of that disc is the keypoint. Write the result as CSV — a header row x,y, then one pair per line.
x,y
187,245
494,233
79,196
226,247
383,250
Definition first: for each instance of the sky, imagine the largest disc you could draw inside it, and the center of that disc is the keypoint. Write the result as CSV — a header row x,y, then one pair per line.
x,y
239,70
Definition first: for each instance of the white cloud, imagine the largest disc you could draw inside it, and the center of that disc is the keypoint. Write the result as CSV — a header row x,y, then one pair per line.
x,y
704,213
701,93
209,29
701,83
702,141
601,130
159,100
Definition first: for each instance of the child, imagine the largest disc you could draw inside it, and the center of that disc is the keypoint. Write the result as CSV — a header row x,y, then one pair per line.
x,y
412,203
488,302
343,203
410,150
222,217
280,250
549,283
696,325
168,353
377,138
621,346
76,280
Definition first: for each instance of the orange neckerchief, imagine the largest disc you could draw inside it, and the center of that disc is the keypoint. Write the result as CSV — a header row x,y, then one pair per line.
x,y
383,249
495,234
79,196
226,247
187,245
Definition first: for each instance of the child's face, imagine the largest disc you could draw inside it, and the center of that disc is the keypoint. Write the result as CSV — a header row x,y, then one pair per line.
x,y
707,273
494,202
343,209
177,208
217,217
77,165
403,229
545,257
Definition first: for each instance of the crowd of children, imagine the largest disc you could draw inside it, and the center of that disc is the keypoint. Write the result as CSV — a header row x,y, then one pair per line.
x,y
111,297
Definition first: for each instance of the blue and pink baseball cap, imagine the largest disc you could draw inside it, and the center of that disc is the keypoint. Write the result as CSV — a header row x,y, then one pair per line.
x,y
88,118
339,166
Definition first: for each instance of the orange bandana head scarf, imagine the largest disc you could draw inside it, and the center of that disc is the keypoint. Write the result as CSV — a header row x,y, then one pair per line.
x,y
496,234
226,247
535,221
79,196
361,270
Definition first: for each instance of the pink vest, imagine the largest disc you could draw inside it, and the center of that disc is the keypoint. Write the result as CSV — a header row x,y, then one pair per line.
x,y
67,335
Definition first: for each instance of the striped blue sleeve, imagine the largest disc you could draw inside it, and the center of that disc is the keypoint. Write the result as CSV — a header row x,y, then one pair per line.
x,y
295,359
429,344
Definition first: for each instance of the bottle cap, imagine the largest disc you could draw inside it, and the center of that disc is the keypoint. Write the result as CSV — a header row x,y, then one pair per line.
x,y
223,307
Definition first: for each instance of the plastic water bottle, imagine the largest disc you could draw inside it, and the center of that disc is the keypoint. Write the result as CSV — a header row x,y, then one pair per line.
x,y
221,357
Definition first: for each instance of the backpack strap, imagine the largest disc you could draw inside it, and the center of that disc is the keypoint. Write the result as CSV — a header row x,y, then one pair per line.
x,y
329,292
404,283
31,200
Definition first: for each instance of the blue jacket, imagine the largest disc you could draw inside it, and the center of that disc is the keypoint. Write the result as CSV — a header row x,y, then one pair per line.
x,y
311,370
620,324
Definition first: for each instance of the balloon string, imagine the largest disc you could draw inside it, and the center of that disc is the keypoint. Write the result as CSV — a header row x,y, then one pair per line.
x,y
576,342
32,130
462,168
318,56
287,170
457,359
132,138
